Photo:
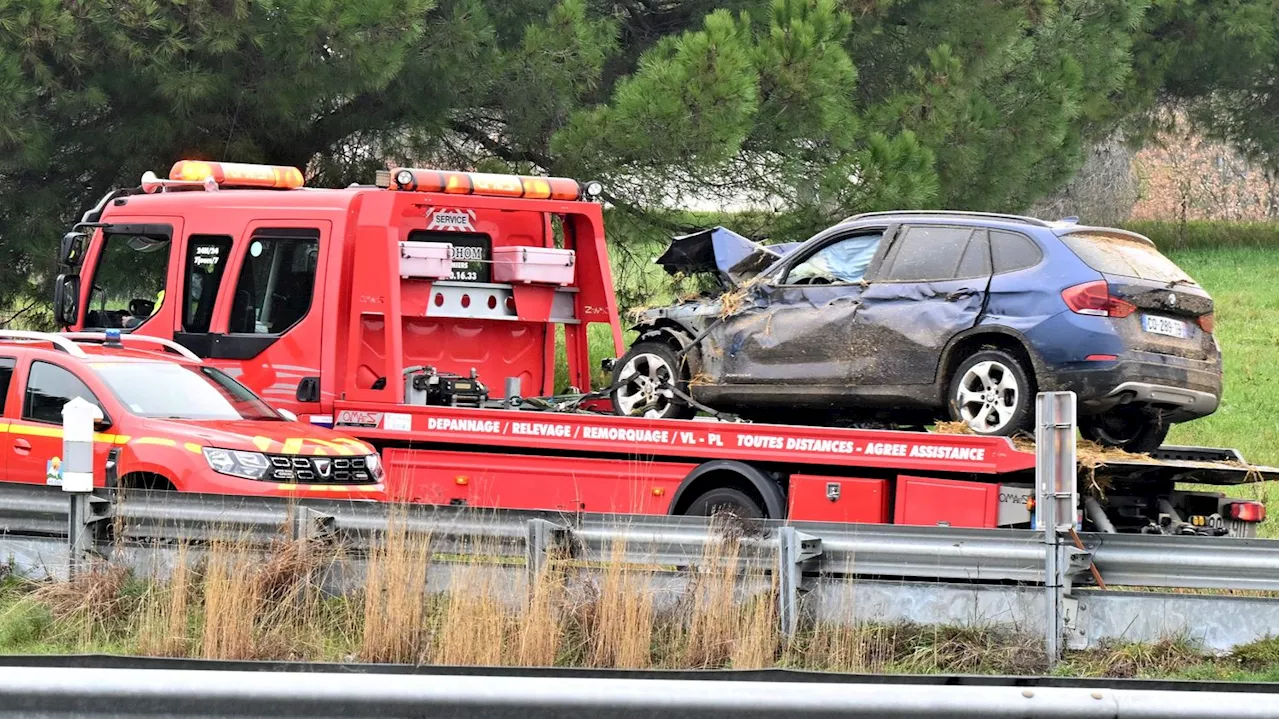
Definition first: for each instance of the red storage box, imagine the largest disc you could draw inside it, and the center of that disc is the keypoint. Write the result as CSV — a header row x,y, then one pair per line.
x,y
945,502
426,260
543,265
815,498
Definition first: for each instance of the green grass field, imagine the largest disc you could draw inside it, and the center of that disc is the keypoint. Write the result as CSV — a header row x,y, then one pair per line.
x,y
1243,283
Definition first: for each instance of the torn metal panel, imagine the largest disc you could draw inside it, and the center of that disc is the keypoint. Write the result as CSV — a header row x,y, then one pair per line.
x,y
792,334
902,328
733,258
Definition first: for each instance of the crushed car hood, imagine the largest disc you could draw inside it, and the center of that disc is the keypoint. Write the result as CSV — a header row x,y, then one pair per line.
x,y
733,258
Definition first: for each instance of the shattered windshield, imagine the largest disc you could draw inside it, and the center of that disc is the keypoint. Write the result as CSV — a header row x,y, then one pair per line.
x,y
844,261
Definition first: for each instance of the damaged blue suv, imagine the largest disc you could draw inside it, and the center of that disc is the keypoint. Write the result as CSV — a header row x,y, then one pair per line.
x,y
911,317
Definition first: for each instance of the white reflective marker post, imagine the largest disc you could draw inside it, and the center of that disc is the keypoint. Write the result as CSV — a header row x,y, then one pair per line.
x,y
78,417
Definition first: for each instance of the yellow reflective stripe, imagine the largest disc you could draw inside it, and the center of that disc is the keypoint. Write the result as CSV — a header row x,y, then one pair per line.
x,y
192,447
162,441
292,445
56,432
344,451
327,487
35,431
286,487
262,443
319,452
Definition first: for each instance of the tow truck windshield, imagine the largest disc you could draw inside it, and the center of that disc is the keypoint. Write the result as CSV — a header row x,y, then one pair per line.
x,y
175,391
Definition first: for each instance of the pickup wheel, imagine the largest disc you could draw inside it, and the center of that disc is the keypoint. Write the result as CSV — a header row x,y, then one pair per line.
x,y
724,500
643,380
1128,428
992,392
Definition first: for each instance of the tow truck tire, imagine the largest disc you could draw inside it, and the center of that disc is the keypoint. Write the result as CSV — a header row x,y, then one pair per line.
x,y
1128,428
724,500
639,379
993,393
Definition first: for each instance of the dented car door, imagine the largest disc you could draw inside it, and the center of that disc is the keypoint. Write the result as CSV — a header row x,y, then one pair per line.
x,y
795,327
931,286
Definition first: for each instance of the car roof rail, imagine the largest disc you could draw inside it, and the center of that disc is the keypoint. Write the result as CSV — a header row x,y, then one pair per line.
x,y
951,213
122,338
62,342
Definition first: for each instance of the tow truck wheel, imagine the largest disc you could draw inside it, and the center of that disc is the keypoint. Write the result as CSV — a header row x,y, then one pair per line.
x,y
725,500
992,393
1128,428
643,382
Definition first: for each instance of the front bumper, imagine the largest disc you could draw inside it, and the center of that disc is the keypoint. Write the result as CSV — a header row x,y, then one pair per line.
x,y
222,484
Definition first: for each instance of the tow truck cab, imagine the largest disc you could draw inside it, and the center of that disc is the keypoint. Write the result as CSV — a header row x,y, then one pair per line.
x,y
299,293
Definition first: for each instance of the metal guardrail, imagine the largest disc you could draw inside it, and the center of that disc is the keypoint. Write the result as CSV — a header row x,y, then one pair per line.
x,y
924,575
41,691
933,553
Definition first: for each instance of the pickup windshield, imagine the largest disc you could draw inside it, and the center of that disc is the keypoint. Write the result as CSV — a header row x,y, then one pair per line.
x,y
175,391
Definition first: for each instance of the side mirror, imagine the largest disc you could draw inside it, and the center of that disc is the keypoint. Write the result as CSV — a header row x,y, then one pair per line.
x,y
66,300
71,251
101,425
290,416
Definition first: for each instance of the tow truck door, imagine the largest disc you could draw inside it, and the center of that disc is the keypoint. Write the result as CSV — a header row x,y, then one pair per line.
x,y
265,328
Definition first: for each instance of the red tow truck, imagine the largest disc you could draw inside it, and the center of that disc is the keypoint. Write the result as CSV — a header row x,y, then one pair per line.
x,y
391,310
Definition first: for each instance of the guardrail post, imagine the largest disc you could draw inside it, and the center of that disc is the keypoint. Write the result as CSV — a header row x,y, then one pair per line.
x,y
794,550
1056,501
541,537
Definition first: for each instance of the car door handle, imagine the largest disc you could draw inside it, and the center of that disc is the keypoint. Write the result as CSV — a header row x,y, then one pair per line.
x,y
961,294
22,446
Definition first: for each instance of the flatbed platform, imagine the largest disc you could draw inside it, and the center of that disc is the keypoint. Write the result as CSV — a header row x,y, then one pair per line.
x,y
697,440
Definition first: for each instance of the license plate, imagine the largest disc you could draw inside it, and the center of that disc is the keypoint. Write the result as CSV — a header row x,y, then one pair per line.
x,y
1164,326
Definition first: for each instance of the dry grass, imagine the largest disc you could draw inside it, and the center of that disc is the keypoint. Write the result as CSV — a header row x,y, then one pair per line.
x,y
619,616
393,603
473,622
163,629
229,599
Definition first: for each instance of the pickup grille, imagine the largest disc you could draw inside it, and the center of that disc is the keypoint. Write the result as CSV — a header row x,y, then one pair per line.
x,y
319,470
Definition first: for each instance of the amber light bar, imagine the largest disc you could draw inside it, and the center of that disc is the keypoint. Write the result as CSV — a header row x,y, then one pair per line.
x,y
237,174
482,183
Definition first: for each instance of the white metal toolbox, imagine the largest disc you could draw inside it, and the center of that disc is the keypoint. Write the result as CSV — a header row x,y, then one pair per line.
x,y
542,265
426,260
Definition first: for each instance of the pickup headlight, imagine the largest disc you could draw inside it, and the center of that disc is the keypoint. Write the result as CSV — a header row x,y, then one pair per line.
x,y
373,462
249,465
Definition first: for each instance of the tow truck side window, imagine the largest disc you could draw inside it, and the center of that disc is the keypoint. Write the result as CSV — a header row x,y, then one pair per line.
x,y
128,282
206,263
277,280
48,388
6,377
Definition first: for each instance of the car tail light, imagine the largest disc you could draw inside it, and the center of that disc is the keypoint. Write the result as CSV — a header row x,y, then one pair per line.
x,y
1095,298
1248,511
1206,322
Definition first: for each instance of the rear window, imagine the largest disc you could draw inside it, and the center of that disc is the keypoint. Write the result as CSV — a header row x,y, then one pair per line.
x,y
1121,256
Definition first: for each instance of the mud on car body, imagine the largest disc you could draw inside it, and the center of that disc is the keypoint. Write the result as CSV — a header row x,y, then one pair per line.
x,y
911,317
169,422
